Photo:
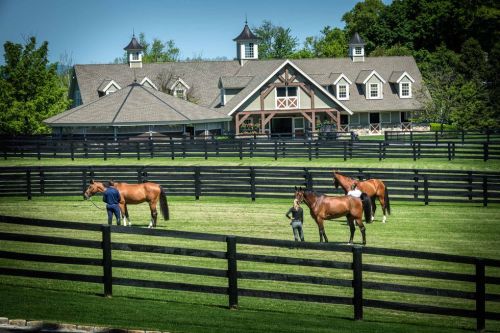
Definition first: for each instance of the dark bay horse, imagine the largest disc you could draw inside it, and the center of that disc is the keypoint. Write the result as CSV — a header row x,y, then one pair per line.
x,y
135,194
323,207
374,188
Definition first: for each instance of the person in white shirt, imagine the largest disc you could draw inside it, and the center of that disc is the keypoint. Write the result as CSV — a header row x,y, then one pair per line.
x,y
354,192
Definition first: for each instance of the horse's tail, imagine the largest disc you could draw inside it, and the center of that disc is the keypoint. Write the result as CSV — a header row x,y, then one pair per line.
x,y
387,201
367,207
164,205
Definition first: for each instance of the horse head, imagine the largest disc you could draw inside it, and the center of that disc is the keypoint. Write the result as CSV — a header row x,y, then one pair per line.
x,y
94,187
299,194
335,179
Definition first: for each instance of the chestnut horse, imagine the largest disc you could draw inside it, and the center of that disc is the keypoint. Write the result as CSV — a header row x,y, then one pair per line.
x,y
135,194
323,207
372,187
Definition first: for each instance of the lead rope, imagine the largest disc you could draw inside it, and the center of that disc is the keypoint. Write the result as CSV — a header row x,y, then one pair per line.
x,y
90,199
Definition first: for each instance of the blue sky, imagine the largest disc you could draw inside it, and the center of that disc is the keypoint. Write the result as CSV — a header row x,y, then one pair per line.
x,y
96,31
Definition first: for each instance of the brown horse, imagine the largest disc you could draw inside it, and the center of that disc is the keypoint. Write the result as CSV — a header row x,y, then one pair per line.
x,y
372,187
323,207
135,194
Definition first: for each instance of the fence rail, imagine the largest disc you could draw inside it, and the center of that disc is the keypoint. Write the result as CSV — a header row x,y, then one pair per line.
x,y
355,257
249,148
255,182
443,136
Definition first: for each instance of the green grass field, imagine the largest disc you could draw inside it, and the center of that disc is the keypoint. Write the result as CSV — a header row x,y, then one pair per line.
x,y
456,229
446,228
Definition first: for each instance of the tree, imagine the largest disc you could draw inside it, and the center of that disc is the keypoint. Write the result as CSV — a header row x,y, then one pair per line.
x,y
275,42
473,63
395,50
331,44
364,18
158,51
471,111
30,90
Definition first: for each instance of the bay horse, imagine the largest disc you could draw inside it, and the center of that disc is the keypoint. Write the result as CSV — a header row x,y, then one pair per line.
x,y
374,188
135,194
323,207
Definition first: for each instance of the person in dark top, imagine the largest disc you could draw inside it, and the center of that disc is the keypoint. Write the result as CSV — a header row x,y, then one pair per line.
x,y
297,219
111,197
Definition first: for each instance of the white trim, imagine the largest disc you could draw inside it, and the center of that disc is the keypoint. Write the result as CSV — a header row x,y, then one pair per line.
x,y
276,98
407,75
288,62
374,72
337,92
146,79
379,91
112,82
342,76
182,82
401,90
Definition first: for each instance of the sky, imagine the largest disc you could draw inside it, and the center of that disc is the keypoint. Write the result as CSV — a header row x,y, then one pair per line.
x,y
96,31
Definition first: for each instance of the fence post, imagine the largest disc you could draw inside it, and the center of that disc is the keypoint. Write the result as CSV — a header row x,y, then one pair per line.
x,y
308,179
380,151
415,186
309,153
449,151
106,260
485,191
172,151
72,150
426,190
105,150
469,174
84,180
205,147
357,281
42,182
252,183
85,149
151,147
28,183
414,150
232,272
38,153
480,296
137,147
345,151
197,183
275,150
240,147
485,151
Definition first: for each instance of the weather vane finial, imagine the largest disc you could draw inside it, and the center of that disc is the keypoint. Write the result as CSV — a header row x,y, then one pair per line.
x,y
246,21
133,32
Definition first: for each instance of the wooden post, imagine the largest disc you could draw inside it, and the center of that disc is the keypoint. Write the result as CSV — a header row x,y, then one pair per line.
x,y
275,150
426,190
151,147
86,149
38,153
240,147
414,151
345,151
357,281
28,183
72,150
84,180
205,147
419,146
172,149
252,183
183,147
449,151
232,272
105,150
197,183
42,183
485,151
480,296
309,153
469,174
485,191
106,260
316,149
380,151
137,147
415,186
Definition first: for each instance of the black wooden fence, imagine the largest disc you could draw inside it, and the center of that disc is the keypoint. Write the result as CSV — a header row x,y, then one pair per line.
x,y
443,136
255,182
356,259
173,148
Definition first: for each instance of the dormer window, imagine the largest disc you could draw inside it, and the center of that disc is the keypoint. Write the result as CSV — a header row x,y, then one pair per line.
x,y
374,91
249,51
405,88
107,87
146,82
179,88
287,98
403,82
180,93
342,84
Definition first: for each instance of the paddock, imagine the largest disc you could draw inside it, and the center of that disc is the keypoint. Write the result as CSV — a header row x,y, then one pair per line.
x,y
413,227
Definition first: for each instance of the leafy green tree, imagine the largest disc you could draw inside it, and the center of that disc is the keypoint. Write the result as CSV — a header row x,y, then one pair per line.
x,y
30,90
470,110
395,50
331,44
473,61
275,42
364,18
158,51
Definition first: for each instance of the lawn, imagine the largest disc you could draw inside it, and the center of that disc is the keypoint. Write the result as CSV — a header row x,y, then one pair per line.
x,y
445,228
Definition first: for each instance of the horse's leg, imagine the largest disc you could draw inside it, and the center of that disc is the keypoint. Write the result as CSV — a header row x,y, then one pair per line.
x,y
321,229
363,230
122,211
382,203
374,208
154,214
352,228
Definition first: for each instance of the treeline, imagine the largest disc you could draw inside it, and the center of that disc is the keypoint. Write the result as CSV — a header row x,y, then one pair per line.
x,y
455,43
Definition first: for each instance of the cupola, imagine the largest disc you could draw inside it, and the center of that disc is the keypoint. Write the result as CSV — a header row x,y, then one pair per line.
x,y
357,48
134,53
247,45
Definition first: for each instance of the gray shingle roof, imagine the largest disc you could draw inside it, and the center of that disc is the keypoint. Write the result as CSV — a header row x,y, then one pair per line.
x,y
136,104
356,39
204,78
133,45
395,76
234,82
